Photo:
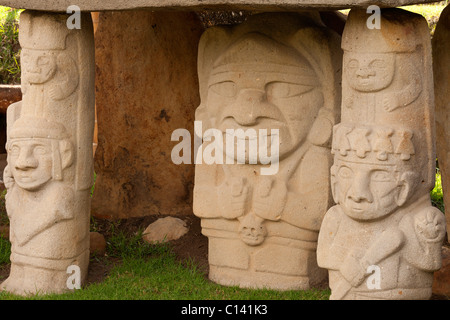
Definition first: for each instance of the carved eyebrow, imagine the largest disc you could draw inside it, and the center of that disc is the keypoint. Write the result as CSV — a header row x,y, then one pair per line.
x,y
291,75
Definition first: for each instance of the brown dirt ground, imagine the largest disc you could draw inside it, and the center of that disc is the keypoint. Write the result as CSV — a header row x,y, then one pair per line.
x,y
193,245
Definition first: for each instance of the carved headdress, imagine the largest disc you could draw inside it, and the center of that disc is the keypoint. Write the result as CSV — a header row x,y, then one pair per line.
x,y
30,127
38,38
301,41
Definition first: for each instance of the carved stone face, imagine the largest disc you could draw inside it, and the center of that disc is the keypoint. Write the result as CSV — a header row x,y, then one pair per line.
x,y
38,66
267,97
368,191
31,162
252,230
369,72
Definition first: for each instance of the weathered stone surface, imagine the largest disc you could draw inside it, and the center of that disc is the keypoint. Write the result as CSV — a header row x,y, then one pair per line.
x,y
273,72
97,244
384,165
164,230
50,164
147,87
283,5
441,282
441,66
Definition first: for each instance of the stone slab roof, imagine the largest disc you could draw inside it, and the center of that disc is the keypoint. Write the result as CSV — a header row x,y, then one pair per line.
x,y
263,5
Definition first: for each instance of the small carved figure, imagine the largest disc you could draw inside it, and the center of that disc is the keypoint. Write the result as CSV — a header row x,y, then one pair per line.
x,y
378,73
39,205
49,73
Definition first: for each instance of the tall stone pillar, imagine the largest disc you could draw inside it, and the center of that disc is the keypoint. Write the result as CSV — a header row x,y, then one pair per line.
x,y
383,238
277,76
50,163
441,66
147,87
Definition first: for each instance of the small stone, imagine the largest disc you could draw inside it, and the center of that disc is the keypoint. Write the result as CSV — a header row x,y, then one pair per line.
x,y
165,229
98,244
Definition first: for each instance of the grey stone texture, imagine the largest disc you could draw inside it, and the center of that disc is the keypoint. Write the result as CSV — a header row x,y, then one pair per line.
x,y
263,5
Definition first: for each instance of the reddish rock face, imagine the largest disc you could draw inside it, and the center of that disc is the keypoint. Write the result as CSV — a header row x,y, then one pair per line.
x,y
441,280
146,88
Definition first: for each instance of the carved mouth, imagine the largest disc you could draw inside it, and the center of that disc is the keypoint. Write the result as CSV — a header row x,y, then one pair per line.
x,y
252,240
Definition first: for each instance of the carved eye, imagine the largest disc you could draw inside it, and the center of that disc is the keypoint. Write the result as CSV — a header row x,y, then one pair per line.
x,y
378,64
353,64
278,90
381,176
345,173
40,150
14,150
43,61
225,89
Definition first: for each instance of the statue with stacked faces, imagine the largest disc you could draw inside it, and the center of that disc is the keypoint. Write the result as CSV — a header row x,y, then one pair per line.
x,y
50,165
383,238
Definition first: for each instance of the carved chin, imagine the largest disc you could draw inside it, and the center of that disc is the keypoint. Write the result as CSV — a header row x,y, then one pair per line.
x,y
30,184
252,240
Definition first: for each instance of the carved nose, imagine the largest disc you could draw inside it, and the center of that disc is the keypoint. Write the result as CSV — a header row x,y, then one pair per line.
x,y
250,105
26,160
365,73
360,190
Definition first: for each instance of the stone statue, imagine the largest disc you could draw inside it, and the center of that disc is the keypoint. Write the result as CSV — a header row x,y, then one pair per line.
x,y
383,238
278,75
49,171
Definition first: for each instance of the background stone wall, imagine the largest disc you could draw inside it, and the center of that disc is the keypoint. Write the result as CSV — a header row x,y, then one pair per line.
x,y
146,87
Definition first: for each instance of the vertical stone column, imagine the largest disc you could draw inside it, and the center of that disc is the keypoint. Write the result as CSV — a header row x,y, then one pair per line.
x,y
147,87
441,65
50,162
383,238
276,75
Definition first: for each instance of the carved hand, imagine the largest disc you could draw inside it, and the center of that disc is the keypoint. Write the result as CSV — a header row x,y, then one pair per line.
x,y
389,103
430,225
270,198
233,197
353,270
8,179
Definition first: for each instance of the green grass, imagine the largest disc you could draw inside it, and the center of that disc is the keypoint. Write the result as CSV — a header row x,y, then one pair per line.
x,y
437,195
160,276
144,271
431,12
5,251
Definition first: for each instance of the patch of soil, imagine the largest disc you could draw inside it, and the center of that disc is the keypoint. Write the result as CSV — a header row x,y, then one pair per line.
x,y
192,246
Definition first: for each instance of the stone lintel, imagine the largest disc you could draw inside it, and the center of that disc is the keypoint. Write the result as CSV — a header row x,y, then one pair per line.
x,y
251,5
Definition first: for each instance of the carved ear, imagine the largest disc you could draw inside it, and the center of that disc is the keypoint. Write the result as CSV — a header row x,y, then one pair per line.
x,y
407,187
67,77
66,151
322,129
334,184
321,48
